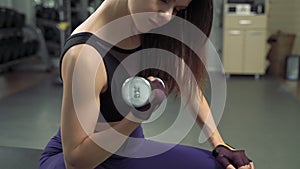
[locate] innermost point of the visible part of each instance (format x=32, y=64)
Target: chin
x=144, y=29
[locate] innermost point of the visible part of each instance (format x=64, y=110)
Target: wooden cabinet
x=254, y=52
x=233, y=51
x=244, y=44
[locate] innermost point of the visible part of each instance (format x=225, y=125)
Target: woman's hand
x=250, y=166
x=231, y=158
x=157, y=96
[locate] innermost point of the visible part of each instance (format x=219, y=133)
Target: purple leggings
x=178, y=157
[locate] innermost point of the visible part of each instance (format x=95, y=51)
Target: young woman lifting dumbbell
x=74, y=146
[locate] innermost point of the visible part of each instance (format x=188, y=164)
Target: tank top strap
x=84, y=38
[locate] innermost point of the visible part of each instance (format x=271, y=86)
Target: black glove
x=157, y=96
x=226, y=156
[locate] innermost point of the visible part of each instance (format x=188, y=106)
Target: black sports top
x=112, y=57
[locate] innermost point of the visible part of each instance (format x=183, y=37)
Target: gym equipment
x=10, y=39
x=47, y=13
x=28, y=48
x=7, y=51
x=20, y=20
x=34, y=47
x=225, y=156
x=10, y=18
x=14, y=47
x=18, y=40
x=2, y=17
x=22, y=50
x=136, y=91
x=1, y=52
x=51, y=34
x=143, y=94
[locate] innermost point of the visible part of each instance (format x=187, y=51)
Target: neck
x=109, y=13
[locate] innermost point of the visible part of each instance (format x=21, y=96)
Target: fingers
x=244, y=167
x=151, y=78
x=230, y=167
x=157, y=96
x=250, y=166
x=238, y=159
x=245, y=159
x=158, y=93
x=224, y=162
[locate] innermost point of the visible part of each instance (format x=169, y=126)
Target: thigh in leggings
x=178, y=157
x=52, y=156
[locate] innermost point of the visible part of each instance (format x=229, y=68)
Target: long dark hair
x=199, y=13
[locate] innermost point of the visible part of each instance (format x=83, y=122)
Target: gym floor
x=261, y=116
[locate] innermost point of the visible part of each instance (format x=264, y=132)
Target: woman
x=74, y=147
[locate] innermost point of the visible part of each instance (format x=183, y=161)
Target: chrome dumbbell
x=142, y=93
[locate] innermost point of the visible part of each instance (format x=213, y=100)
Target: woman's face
x=161, y=12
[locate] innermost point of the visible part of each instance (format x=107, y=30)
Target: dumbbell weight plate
x=35, y=46
x=7, y=52
x=27, y=48
x=1, y=53
x=2, y=17
x=136, y=91
x=22, y=50
x=20, y=20
x=30, y=48
x=10, y=17
x=16, y=50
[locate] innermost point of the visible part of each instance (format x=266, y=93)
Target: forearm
x=210, y=130
x=206, y=121
x=89, y=155
x=215, y=139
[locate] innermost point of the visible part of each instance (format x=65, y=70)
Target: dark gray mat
x=19, y=158
x=30, y=117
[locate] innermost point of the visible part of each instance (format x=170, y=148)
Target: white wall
x=285, y=16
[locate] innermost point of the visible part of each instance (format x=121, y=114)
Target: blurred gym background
x=258, y=43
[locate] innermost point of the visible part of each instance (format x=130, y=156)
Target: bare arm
x=206, y=122
x=204, y=116
x=79, y=149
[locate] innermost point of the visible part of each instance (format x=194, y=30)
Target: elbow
x=70, y=163
x=75, y=165
x=73, y=162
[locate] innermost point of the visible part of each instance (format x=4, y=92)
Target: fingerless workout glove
x=226, y=156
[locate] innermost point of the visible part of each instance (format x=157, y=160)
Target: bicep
x=83, y=79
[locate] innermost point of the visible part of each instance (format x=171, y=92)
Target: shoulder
x=85, y=63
